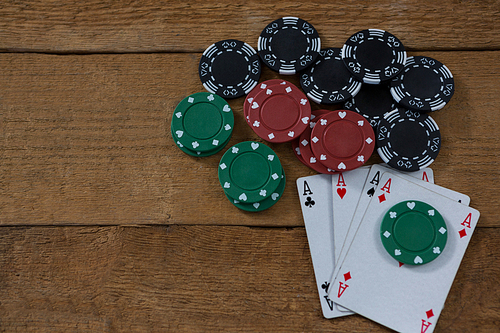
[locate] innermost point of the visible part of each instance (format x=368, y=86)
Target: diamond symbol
x=271, y=136
x=369, y=140
x=190, y=99
x=462, y=233
x=304, y=142
x=223, y=166
x=288, y=89
x=315, y=139
x=387, y=234
x=442, y=230
x=215, y=142
x=275, y=176
x=381, y=198
x=429, y=314
x=347, y=276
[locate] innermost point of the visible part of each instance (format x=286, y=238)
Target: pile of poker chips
x=252, y=176
x=371, y=74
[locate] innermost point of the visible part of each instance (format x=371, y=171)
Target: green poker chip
x=200, y=153
x=202, y=122
x=264, y=204
x=413, y=232
x=249, y=172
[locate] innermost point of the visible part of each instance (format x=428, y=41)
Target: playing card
x=315, y=193
x=346, y=189
x=409, y=297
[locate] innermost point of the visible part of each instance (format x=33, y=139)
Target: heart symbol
x=312, y=160
x=243, y=197
x=410, y=205
x=256, y=205
x=226, y=108
x=418, y=260
x=255, y=105
x=227, y=185
x=342, y=114
x=431, y=212
x=179, y=133
x=322, y=157
x=305, y=120
x=341, y=192
x=254, y=145
x=274, y=196
x=397, y=252
x=341, y=166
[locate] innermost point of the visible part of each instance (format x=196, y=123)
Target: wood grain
x=106, y=26
x=199, y=278
x=85, y=139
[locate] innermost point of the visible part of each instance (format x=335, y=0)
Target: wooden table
x=107, y=226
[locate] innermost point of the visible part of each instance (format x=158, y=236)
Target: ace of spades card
x=405, y=298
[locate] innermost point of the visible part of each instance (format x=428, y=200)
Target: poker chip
x=229, y=68
x=342, y=140
x=304, y=142
x=288, y=45
x=328, y=81
x=408, y=140
x=202, y=123
x=372, y=102
x=264, y=204
x=413, y=232
x=251, y=95
x=199, y=153
x=424, y=85
x=249, y=172
x=279, y=113
x=374, y=55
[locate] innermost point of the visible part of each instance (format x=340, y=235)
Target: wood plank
x=190, y=26
x=199, y=278
x=85, y=139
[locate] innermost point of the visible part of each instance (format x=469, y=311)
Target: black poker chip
x=229, y=68
x=424, y=85
x=288, y=45
x=372, y=102
x=374, y=55
x=328, y=81
x=408, y=140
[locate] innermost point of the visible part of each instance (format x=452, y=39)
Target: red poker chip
x=304, y=140
x=258, y=88
x=279, y=113
x=342, y=140
x=296, y=150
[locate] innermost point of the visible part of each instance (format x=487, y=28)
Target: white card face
x=315, y=193
x=346, y=189
x=425, y=175
x=405, y=298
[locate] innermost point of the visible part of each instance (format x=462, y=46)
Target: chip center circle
x=374, y=55
x=289, y=44
x=414, y=231
x=343, y=139
x=405, y=132
x=250, y=171
x=280, y=112
x=202, y=121
x=422, y=82
x=229, y=68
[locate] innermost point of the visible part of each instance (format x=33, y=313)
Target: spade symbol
x=325, y=286
x=371, y=192
x=309, y=202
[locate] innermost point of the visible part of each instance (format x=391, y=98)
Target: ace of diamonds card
x=403, y=297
